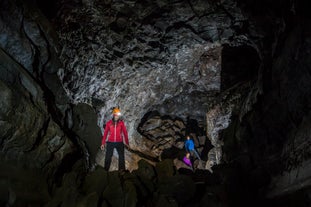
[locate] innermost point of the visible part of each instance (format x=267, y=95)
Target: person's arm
x=105, y=134
x=126, y=140
x=186, y=145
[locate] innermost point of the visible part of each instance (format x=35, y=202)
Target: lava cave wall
x=37, y=119
x=272, y=141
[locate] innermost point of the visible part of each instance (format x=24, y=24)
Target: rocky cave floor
x=150, y=185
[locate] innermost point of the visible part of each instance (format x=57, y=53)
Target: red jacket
x=115, y=130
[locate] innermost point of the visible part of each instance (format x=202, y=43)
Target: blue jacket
x=189, y=145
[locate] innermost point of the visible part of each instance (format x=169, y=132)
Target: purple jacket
x=187, y=161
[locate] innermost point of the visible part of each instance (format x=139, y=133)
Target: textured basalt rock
x=32, y=143
x=149, y=56
x=28, y=132
x=84, y=125
x=35, y=136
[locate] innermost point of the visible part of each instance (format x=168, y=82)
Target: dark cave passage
x=239, y=64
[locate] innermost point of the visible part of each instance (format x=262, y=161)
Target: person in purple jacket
x=187, y=160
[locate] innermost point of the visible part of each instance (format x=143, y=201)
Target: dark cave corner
x=238, y=65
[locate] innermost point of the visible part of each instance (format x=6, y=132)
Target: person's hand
x=127, y=146
x=102, y=147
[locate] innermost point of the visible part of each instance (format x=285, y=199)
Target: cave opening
x=238, y=65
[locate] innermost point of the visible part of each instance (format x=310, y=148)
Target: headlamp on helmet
x=116, y=112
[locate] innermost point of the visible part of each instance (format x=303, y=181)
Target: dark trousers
x=194, y=151
x=120, y=149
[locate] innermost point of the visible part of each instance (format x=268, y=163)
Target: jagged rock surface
x=149, y=56
x=35, y=136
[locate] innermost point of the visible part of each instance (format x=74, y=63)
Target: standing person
x=189, y=145
x=117, y=134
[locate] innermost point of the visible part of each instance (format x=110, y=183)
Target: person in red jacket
x=117, y=134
